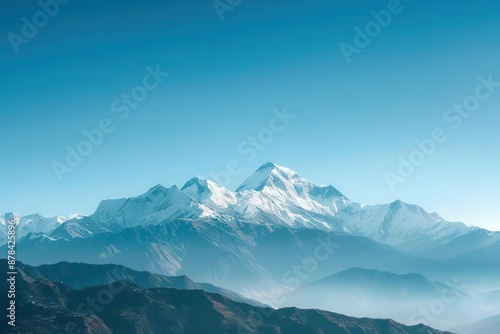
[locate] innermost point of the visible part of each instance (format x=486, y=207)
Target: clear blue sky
x=353, y=120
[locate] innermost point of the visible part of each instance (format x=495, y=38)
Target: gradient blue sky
x=353, y=120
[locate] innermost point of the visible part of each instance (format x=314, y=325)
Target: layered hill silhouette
x=49, y=307
x=277, y=234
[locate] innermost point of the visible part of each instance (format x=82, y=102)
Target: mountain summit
x=271, y=175
x=272, y=195
x=253, y=239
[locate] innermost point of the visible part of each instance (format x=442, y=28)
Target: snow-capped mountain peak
x=75, y=216
x=209, y=193
x=279, y=192
x=271, y=195
x=269, y=174
x=34, y=224
x=286, y=185
x=8, y=216
x=157, y=201
x=274, y=178
x=156, y=190
x=415, y=210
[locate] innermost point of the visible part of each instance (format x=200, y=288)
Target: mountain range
x=272, y=195
x=49, y=307
x=276, y=233
x=373, y=293
x=80, y=275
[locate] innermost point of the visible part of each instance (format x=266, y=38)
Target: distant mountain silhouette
x=50, y=307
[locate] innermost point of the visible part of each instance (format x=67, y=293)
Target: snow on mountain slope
x=34, y=224
x=282, y=185
x=153, y=207
x=81, y=228
x=273, y=195
x=281, y=195
x=210, y=193
x=400, y=224
x=297, y=202
x=127, y=211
